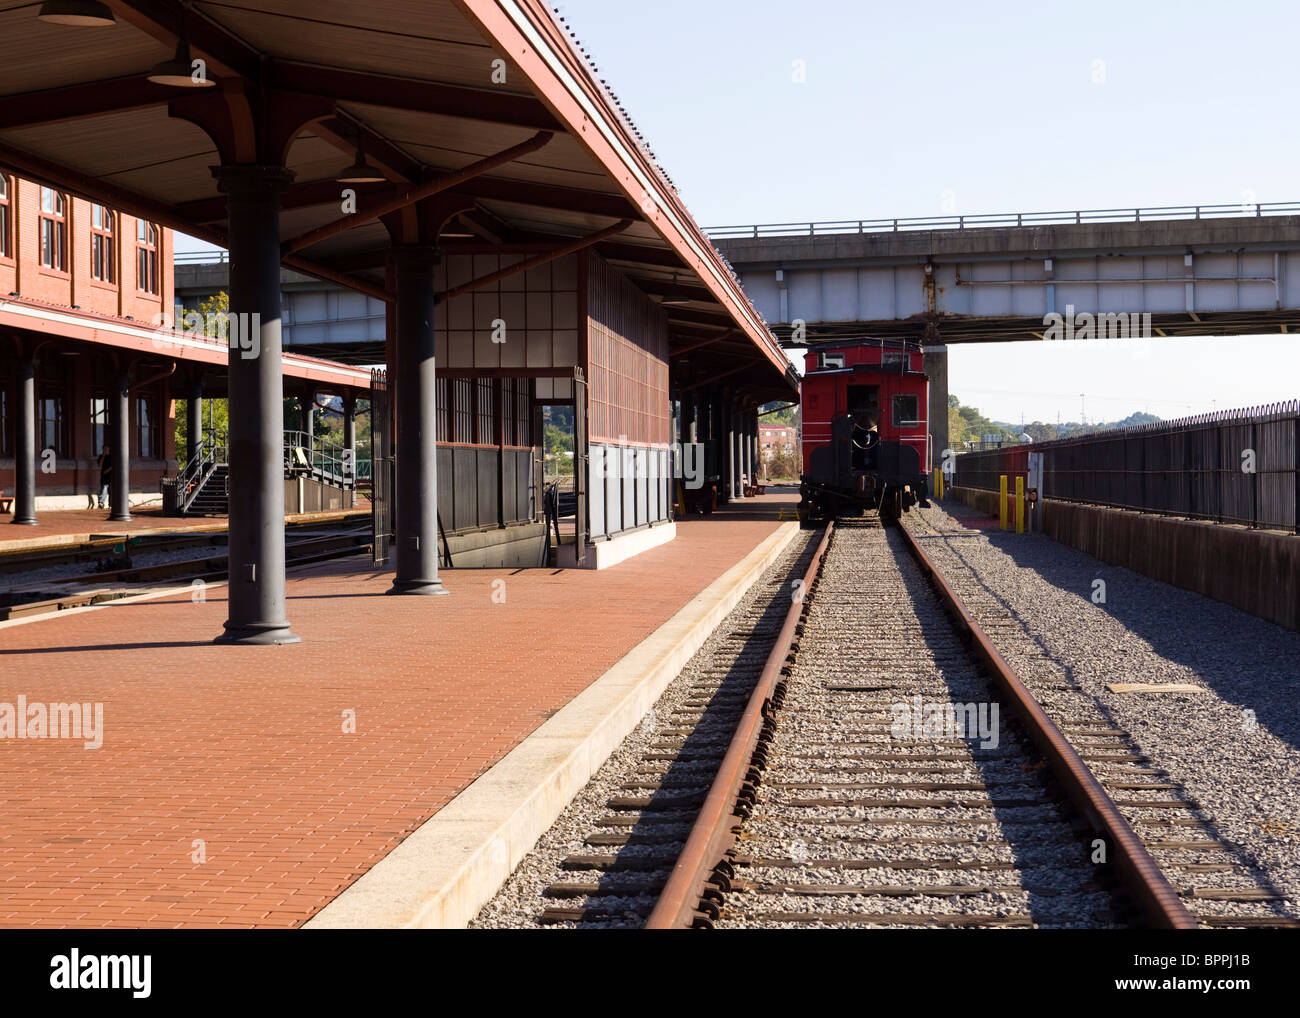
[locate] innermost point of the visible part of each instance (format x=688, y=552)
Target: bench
x=6, y=502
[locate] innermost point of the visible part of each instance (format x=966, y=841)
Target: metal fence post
x=1254, y=478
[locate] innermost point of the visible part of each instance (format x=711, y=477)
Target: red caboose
x=866, y=434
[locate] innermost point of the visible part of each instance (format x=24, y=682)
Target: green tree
x=216, y=412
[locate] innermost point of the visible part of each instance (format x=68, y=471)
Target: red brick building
x=83, y=289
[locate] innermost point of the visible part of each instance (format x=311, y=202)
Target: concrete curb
x=444, y=872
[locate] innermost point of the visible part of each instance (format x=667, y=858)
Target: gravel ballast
x=1229, y=752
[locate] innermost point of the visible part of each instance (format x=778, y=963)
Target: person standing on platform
x=105, y=476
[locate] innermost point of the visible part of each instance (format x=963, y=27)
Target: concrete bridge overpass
x=1195, y=270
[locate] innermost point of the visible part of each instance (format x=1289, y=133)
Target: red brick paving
x=243, y=749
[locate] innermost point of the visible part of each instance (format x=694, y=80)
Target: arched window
x=102, y=258
x=54, y=230
x=146, y=256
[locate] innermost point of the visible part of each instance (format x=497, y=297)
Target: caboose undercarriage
x=823, y=502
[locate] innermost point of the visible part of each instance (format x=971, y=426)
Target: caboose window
x=906, y=410
x=863, y=397
x=893, y=361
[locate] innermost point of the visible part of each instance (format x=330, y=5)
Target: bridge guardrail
x=1005, y=219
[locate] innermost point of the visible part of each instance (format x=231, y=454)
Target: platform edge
x=452, y=864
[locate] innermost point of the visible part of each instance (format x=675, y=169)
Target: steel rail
x=1151, y=891
x=712, y=833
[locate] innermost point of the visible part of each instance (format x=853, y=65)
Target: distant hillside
x=1041, y=432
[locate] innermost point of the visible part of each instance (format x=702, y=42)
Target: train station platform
x=63, y=527
x=238, y=786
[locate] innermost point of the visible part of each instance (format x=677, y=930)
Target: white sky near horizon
x=993, y=107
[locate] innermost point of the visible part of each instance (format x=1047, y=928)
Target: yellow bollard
x=1002, y=501
x=1020, y=504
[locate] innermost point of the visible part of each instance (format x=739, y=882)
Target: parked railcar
x=866, y=432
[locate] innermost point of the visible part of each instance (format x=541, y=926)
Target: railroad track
x=1173, y=826
x=632, y=841
x=843, y=803
x=305, y=544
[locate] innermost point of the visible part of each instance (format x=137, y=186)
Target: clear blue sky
x=988, y=107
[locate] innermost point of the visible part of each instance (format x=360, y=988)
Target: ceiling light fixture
x=361, y=172
x=675, y=296
x=179, y=70
x=82, y=13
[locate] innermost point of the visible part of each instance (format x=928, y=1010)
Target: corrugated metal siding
x=628, y=361
x=1194, y=467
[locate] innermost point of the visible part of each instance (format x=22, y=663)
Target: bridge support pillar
x=256, y=429
x=120, y=488
x=416, y=540
x=935, y=365
x=25, y=453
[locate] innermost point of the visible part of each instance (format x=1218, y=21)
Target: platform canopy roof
x=425, y=89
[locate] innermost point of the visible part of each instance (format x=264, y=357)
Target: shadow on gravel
x=1047, y=847
x=1246, y=660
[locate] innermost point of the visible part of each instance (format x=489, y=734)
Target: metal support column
x=416, y=544
x=194, y=423
x=25, y=453
x=350, y=440
x=120, y=490
x=256, y=399
x=733, y=449
x=751, y=429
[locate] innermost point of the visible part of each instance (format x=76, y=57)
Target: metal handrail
x=324, y=459
x=191, y=479
x=201, y=257
x=1005, y=219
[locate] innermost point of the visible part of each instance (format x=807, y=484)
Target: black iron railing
x=212, y=453
x=318, y=459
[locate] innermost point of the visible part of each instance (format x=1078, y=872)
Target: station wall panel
x=528, y=319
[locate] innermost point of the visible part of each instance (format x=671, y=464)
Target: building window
x=443, y=397
x=102, y=265
x=486, y=417
x=49, y=420
x=146, y=427
x=54, y=230
x=905, y=410
x=6, y=219
x=99, y=431
x=146, y=256
x=523, y=412
x=463, y=389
